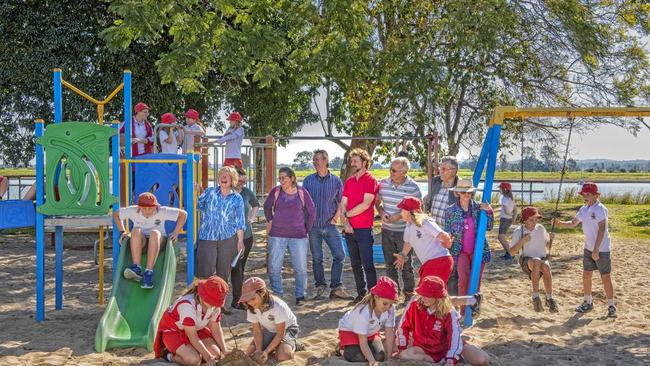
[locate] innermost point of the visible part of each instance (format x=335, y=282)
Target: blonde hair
x=418, y=217
x=369, y=300
x=234, y=176
x=442, y=306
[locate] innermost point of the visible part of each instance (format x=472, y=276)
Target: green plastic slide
x=132, y=314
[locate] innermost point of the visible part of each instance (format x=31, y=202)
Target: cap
x=250, y=287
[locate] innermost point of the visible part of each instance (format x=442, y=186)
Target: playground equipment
x=488, y=156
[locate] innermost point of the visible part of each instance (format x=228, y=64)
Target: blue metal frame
x=480, y=164
x=40, y=228
x=115, y=167
x=189, y=206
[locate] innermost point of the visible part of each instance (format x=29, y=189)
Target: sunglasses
x=396, y=171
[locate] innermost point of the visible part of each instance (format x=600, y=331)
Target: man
x=326, y=190
x=441, y=197
x=391, y=192
x=358, y=210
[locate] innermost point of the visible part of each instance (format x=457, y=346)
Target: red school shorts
x=175, y=339
x=441, y=267
x=348, y=338
x=233, y=162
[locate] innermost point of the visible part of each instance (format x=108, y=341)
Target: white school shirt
x=507, y=207
x=190, y=132
x=362, y=320
x=536, y=246
x=190, y=313
x=166, y=148
x=141, y=133
x=278, y=313
x=156, y=221
x=423, y=240
x=233, y=138
x=590, y=216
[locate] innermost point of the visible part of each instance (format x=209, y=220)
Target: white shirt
x=279, y=313
x=156, y=221
x=233, y=139
x=590, y=216
x=507, y=207
x=188, y=308
x=423, y=240
x=190, y=132
x=140, y=133
x=536, y=246
x=362, y=320
x=166, y=148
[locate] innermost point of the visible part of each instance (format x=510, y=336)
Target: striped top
x=392, y=195
x=326, y=193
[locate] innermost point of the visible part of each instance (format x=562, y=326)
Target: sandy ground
x=508, y=328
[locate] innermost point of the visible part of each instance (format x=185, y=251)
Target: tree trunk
x=368, y=145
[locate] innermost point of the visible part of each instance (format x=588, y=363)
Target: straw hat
x=464, y=185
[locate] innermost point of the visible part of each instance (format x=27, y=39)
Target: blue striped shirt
x=221, y=217
x=326, y=193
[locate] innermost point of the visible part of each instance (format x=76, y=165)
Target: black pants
x=360, y=249
x=354, y=354
x=392, y=242
x=237, y=273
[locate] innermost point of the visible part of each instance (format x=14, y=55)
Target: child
x=4, y=186
x=192, y=128
x=233, y=138
x=508, y=213
x=169, y=137
x=534, y=240
x=190, y=329
x=275, y=327
x=359, y=337
x=595, y=227
x=148, y=232
x=430, y=330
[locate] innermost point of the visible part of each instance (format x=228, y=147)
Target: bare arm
x=363, y=206
x=198, y=344
x=600, y=235
x=277, y=340
x=217, y=334
x=365, y=348
x=566, y=224
x=182, y=217
x=390, y=342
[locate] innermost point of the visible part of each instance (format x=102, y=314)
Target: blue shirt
x=326, y=193
x=221, y=217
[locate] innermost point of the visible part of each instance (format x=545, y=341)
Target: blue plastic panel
x=377, y=251
x=16, y=213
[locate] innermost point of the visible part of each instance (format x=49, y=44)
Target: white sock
x=610, y=302
x=549, y=296
x=588, y=299
x=535, y=295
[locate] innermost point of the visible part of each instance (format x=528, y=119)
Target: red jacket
x=148, y=147
x=438, y=337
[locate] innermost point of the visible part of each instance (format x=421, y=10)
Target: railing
x=18, y=188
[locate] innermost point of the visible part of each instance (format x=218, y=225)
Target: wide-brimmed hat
x=410, y=203
x=213, y=291
x=234, y=116
x=464, y=185
x=147, y=199
x=589, y=187
x=140, y=107
x=529, y=212
x=505, y=186
x=432, y=287
x=385, y=288
x=168, y=118
x=192, y=113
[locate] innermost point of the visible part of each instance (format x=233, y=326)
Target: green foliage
x=640, y=218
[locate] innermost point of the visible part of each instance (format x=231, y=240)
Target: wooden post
x=269, y=162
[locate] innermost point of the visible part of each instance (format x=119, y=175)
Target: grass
x=628, y=198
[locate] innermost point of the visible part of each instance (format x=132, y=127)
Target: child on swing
x=533, y=241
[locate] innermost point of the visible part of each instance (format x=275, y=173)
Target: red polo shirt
x=354, y=189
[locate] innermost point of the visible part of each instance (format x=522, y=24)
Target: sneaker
x=300, y=301
x=340, y=293
x=133, y=273
x=537, y=304
x=552, y=305
x=611, y=311
x=585, y=307
x=147, y=279
x=476, y=308
x=320, y=292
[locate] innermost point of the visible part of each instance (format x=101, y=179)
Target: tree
x=550, y=157
x=571, y=165
x=336, y=163
x=303, y=160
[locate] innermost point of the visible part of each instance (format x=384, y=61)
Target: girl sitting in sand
x=359, y=337
x=430, y=330
x=275, y=327
x=190, y=329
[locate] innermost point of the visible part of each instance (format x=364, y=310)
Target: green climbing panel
x=77, y=163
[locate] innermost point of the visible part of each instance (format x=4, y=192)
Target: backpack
x=301, y=194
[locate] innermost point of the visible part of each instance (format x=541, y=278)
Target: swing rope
x=562, y=173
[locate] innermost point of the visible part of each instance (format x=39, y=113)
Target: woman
x=251, y=206
x=221, y=231
x=290, y=214
x=461, y=221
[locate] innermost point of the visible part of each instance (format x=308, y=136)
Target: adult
x=169, y=137
x=141, y=131
x=290, y=214
x=233, y=138
x=251, y=206
x=391, y=192
x=326, y=190
x=461, y=222
x=221, y=231
x=358, y=213
x=441, y=197
x=192, y=129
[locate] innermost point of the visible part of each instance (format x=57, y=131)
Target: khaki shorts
x=603, y=264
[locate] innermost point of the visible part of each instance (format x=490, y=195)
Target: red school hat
x=140, y=107
x=432, y=287
x=505, y=186
x=234, y=116
x=168, y=118
x=192, y=113
x=213, y=291
x=147, y=199
x=589, y=187
x=410, y=203
x=528, y=212
x=385, y=288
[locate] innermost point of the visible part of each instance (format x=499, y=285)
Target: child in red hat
x=596, y=256
x=533, y=240
x=190, y=330
x=141, y=131
x=233, y=138
x=507, y=214
x=359, y=337
x=430, y=329
x=193, y=128
x=148, y=233
x=170, y=137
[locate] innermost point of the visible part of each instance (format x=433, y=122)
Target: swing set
x=488, y=159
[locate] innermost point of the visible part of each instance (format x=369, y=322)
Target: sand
x=508, y=328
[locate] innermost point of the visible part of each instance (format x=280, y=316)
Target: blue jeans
x=360, y=249
x=298, y=253
x=333, y=239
